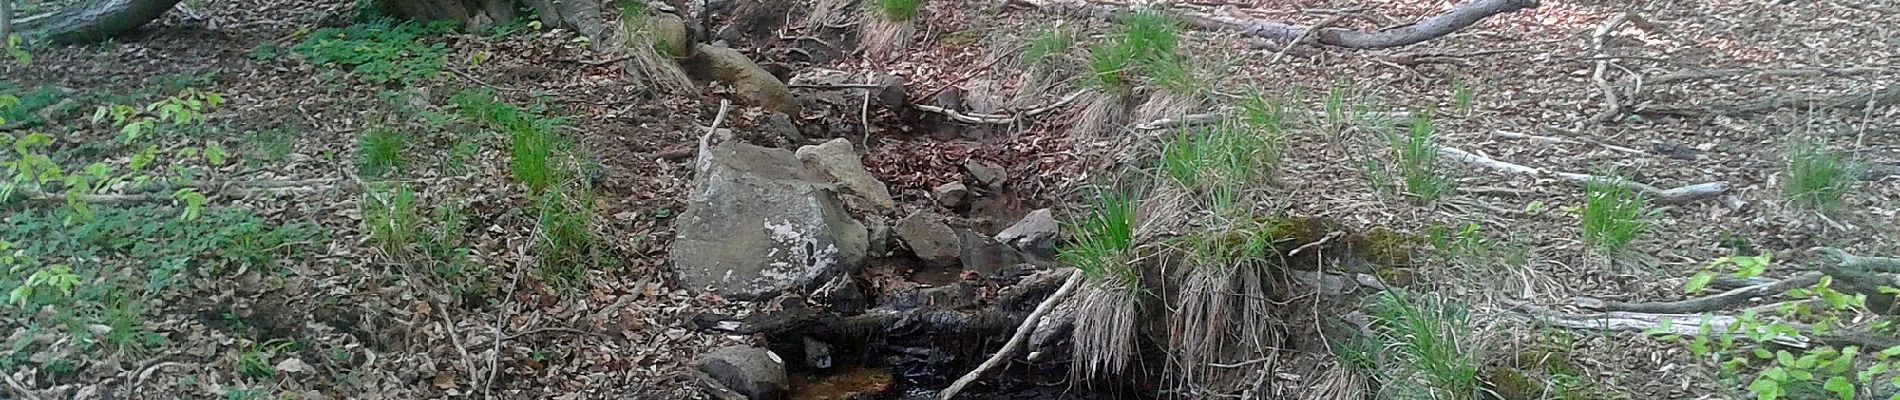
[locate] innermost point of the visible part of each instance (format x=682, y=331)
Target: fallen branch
x=1458, y=17
x=1553, y=139
x=1598, y=42
x=1692, y=75
x=1865, y=263
x=958, y=116
x=1705, y=304
x=1878, y=172
x=1022, y=333
x=1692, y=325
x=705, y=140
x=1856, y=99
x=1665, y=196
x=19, y=388
x=1401, y=118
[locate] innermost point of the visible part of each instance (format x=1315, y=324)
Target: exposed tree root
x=93, y=21
x=1667, y=196
x=1459, y=17
x=1865, y=263
x=1022, y=334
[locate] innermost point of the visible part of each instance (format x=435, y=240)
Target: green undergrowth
x=1818, y=176
x=1104, y=239
x=1613, y=216
x=1140, y=44
x=897, y=10
x=380, y=51
x=1431, y=351
x=559, y=184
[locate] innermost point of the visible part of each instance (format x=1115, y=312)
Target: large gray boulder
x=838, y=161
x=1034, y=234
x=930, y=239
x=750, y=83
x=757, y=223
x=755, y=373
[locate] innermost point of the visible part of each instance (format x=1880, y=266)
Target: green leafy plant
x=56, y=276
x=186, y=108
x=1462, y=96
x=568, y=245
x=1749, y=350
x=1614, y=215
x=1818, y=177
x=1145, y=39
x=380, y=51
x=1416, y=154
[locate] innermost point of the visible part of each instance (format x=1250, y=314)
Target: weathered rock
x=880, y=236
x=985, y=173
x=782, y=124
x=890, y=91
x=750, y=82
x=836, y=160
x=755, y=373
x=757, y=223
x=669, y=35
x=817, y=353
x=1034, y=234
x=952, y=195
x=987, y=256
x=929, y=238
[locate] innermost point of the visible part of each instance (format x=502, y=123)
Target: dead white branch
x=1022, y=334
x=1554, y=139
x=1864, y=263
x=1665, y=196
x=1705, y=304
x=1675, y=324
x=1598, y=44
x=1001, y=119
x=1692, y=75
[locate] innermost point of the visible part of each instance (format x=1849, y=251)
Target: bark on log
x=93, y=21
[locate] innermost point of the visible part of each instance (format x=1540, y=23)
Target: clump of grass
x=1432, y=354
x=1146, y=40
x=1223, y=312
x=1418, y=161
x=1101, y=248
x=379, y=153
x=1818, y=177
x=529, y=151
x=898, y=10
x=567, y=246
x=391, y=215
x=1613, y=214
x=1462, y=96
x=1047, y=48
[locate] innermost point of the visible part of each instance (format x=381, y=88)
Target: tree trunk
x=94, y=21
x=6, y=24
x=470, y=14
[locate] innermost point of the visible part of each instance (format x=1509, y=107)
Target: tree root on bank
x=1666, y=196
x=1016, y=340
x=1460, y=16
x=1001, y=119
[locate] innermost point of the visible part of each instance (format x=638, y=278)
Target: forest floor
x=271, y=276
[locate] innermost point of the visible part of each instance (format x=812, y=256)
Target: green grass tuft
x=567, y=247
x=1145, y=41
x=1047, y=47
x=1432, y=354
x=898, y=10
x=1613, y=215
x=1418, y=161
x=379, y=153
x=1818, y=176
x=391, y=215
x=1102, y=240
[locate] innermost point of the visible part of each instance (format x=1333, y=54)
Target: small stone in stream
x=929, y=238
x=817, y=354
x=755, y=373
x=953, y=195
x=890, y=91
x=1034, y=234
x=985, y=173
x=837, y=160
x=987, y=256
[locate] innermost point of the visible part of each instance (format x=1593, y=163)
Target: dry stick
x=1611, y=107
x=1460, y=16
x=1669, y=196
x=1705, y=304
x=1553, y=139
x=1691, y=75
x=996, y=118
x=1016, y=340
x=15, y=384
x=705, y=140
x=1401, y=118
x=1865, y=263
x=1329, y=21
x=1676, y=324
x=521, y=263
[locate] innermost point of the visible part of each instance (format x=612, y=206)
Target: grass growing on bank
x=1432, y=353
x=898, y=10
x=1818, y=176
x=1102, y=248
x=1614, y=216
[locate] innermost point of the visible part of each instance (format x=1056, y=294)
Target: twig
x=20, y=388
x=1611, y=107
x=830, y=86
x=1016, y=340
x=522, y=262
x=1705, y=304
x=996, y=118
x=470, y=78
x=1553, y=139
x=1666, y=196
x=1685, y=76
x=1323, y=24
x=1866, y=263
x=705, y=140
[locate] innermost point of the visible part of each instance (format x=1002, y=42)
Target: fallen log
x=1884, y=97
x=93, y=21
x=1458, y=17
x=1720, y=301
x=1681, y=194
x=1691, y=325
